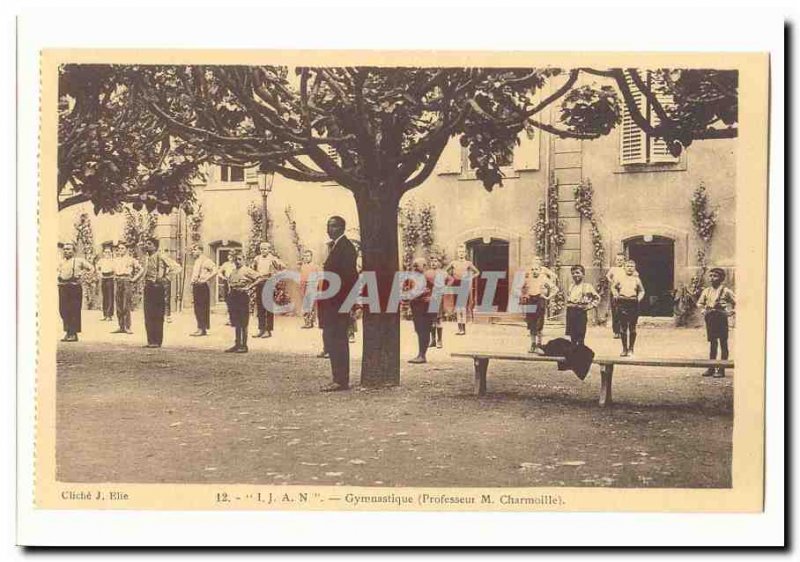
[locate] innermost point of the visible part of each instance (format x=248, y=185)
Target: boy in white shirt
x=716, y=303
x=105, y=267
x=628, y=292
x=266, y=264
x=581, y=298
x=536, y=291
x=614, y=273
x=203, y=270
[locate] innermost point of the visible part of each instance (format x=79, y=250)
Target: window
x=231, y=173
x=636, y=146
x=522, y=157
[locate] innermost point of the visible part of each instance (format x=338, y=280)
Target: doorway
x=491, y=256
x=655, y=262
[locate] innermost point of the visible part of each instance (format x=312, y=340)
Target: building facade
x=642, y=206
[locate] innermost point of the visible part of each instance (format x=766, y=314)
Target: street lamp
x=265, y=180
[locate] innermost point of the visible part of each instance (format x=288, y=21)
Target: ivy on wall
x=196, y=225
x=84, y=240
x=549, y=229
x=418, y=233
x=584, y=204
x=138, y=227
x=296, y=242
x=549, y=239
x=704, y=221
x=256, y=236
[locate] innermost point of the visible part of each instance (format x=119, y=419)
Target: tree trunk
x=377, y=215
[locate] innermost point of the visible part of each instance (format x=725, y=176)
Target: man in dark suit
x=341, y=261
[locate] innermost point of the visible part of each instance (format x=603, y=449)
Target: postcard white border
x=743, y=31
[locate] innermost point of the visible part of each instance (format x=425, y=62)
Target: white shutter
x=251, y=175
x=450, y=161
x=658, y=148
x=526, y=154
x=633, y=140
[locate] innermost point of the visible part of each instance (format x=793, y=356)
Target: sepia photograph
x=405, y=281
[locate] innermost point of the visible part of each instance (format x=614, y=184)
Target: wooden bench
x=481, y=362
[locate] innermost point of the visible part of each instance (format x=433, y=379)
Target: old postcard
x=401, y=281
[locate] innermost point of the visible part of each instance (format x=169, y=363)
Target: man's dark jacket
x=341, y=261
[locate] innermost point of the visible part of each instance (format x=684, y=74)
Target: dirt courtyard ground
x=190, y=413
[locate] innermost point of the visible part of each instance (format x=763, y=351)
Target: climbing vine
x=255, y=238
x=584, y=204
x=426, y=227
x=549, y=238
x=418, y=232
x=196, y=224
x=138, y=227
x=298, y=245
x=84, y=239
x=540, y=231
x=704, y=221
x=549, y=229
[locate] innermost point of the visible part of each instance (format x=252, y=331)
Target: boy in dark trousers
x=716, y=303
x=628, y=292
x=436, y=328
x=581, y=297
x=241, y=280
x=536, y=291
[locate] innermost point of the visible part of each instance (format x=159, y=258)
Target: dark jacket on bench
x=578, y=358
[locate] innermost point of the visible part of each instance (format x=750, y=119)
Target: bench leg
x=606, y=375
x=481, y=366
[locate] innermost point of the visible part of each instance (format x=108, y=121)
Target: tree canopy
x=363, y=126
x=112, y=149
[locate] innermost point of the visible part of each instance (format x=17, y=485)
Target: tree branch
x=563, y=133
x=651, y=99
x=73, y=200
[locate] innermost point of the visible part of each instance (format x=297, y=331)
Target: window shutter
x=633, y=141
x=526, y=154
x=658, y=148
x=450, y=160
x=251, y=175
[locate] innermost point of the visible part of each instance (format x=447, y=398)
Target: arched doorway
x=655, y=262
x=220, y=253
x=491, y=255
